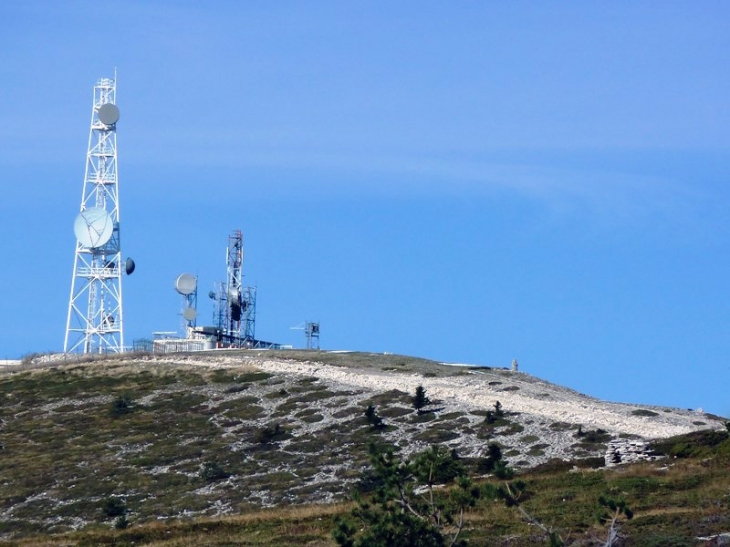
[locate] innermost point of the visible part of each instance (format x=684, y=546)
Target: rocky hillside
x=225, y=432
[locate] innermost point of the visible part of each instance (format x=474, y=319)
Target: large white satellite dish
x=186, y=284
x=93, y=227
x=108, y=114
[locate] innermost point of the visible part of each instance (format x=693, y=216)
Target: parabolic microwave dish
x=108, y=114
x=186, y=284
x=190, y=314
x=93, y=227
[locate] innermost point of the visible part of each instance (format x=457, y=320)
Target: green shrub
x=373, y=419
x=494, y=456
x=120, y=406
x=503, y=471
x=438, y=465
x=113, y=507
x=270, y=434
x=644, y=412
x=594, y=436
x=211, y=471
x=695, y=444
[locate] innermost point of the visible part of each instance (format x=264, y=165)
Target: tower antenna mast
x=234, y=279
x=95, y=319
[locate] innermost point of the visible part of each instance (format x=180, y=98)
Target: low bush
x=120, y=406
x=113, y=507
x=270, y=434
x=373, y=419
x=644, y=412
x=595, y=436
x=211, y=471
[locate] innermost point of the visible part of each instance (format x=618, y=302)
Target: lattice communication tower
x=234, y=278
x=95, y=321
x=311, y=333
x=234, y=311
x=249, y=315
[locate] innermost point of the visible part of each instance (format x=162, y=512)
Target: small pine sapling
x=493, y=415
x=498, y=412
x=611, y=510
x=493, y=463
x=373, y=419
x=503, y=471
x=420, y=400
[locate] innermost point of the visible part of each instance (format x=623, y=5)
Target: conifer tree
x=406, y=509
x=420, y=400
x=372, y=417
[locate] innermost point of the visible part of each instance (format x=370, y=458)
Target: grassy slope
x=671, y=507
x=65, y=453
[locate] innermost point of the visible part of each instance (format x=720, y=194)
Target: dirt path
x=516, y=391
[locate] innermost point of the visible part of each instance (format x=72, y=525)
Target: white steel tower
x=95, y=319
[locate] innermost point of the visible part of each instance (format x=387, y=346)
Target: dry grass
x=64, y=453
x=565, y=501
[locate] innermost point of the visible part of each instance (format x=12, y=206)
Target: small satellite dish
x=93, y=227
x=211, y=295
x=129, y=266
x=108, y=114
x=190, y=314
x=186, y=284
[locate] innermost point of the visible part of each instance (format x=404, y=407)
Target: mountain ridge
x=212, y=434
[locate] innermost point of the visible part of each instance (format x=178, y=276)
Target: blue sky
x=470, y=182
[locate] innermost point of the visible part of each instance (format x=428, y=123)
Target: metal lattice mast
x=311, y=332
x=234, y=276
x=219, y=306
x=249, y=314
x=95, y=318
